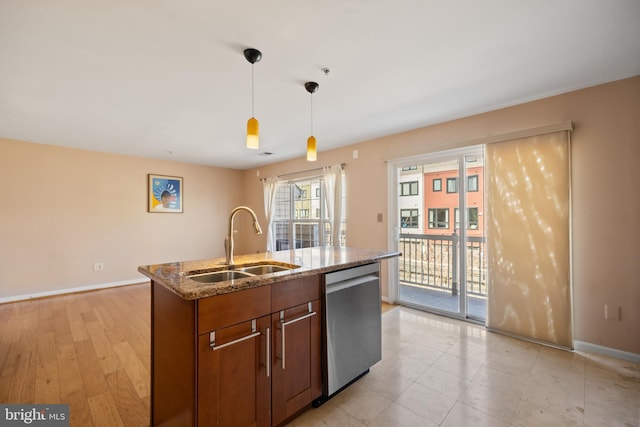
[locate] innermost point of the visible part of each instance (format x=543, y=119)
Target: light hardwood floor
x=90, y=350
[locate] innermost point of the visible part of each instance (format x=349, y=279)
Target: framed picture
x=165, y=194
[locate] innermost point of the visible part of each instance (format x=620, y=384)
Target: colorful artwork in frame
x=165, y=193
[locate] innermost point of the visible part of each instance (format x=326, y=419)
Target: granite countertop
x=311, y=261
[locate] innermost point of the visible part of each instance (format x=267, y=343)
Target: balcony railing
x=432, y=261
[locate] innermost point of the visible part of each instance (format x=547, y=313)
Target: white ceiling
x=167, y=78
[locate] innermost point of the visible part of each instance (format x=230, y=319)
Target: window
x=300, y=220
x=409, y=188
x=409, y=218
x=452, y=185
x=409, y=168
x=472, y=218
x=439, y=218
x=472, y=183
x=437, y=184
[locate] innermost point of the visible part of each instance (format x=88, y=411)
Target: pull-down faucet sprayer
x=228, y=242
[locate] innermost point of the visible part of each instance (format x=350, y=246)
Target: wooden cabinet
x=234, y=388
x=234, y=384
x=246, y=358
x=296, y=321
x=173, y=355
x=297, y=376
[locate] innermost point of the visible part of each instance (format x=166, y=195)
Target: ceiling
x=167, y=79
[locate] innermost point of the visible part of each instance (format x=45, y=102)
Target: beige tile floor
x=437, y=371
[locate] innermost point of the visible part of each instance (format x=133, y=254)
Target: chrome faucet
x=228, y=242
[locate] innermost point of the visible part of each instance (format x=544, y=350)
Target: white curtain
x=333, y=192
x=270, y=188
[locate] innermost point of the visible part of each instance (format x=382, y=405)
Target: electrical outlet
x=98, y=266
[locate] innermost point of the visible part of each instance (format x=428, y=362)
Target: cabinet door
x=297, y=376
x=234, y=384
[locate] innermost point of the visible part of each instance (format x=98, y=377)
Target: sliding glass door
x=440, y=233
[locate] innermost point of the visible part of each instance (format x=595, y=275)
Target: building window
x=439, y=218
x=409, y=218
x=437, y=184
x=300, y=218
x=472, y=183
x=452, y=185
x=472, y=217
x=409, y=168
x=409, y=188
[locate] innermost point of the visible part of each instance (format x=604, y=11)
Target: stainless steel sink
x=218, y=276
x=239, y=271
x=264, y=269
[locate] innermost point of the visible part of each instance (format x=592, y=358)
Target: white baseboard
x=72, y=290
x=606, y=351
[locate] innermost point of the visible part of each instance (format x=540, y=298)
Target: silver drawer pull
x=283, y=324
x=212, y=338
x=268, y=349
x=298, y=319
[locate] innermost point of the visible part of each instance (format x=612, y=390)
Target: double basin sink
x=241, y=271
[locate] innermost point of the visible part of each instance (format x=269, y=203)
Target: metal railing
x=301, y=233
x=432, y=261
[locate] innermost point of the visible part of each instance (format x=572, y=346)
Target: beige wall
x=66, y=209
x=606, y=154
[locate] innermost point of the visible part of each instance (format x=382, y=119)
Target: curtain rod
x=342, y=165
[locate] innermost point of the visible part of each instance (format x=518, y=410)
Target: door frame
x=393, y=231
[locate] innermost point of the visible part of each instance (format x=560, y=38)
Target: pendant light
x=253, y=56
x=312, y=153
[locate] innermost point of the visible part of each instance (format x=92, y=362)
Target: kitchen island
x=245, y=351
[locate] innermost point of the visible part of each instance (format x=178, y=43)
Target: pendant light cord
x=311, y=96
x=252, y=93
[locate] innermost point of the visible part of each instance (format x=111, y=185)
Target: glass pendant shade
x=312, y=154
x=252, y=133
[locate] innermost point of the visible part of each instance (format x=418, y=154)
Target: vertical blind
x=528, y=238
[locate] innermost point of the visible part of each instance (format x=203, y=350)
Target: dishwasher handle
x=349, y=283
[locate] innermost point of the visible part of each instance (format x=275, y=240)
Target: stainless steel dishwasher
x=353, y=325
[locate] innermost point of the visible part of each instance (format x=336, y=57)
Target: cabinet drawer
x=294, y=292
x=228, y=309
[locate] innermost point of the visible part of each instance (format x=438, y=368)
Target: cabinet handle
x=212, y=338
x=283, y=324
x=268, y=348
